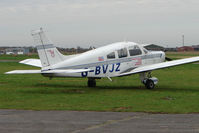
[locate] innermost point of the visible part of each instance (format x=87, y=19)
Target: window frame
x=121, y=55
x=135, y=47
x=109, y=54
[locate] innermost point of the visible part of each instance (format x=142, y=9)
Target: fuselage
x=110, y=60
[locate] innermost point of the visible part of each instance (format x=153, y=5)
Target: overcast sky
x=71, y=23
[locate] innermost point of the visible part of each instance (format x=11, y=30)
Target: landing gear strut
x=91, y=82
x=148, y=80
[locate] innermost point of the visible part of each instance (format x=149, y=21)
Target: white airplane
x=114, y=60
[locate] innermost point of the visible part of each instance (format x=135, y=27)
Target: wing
x=47, y=72
x=32, y=62
x=24, y=72
x=160, y=66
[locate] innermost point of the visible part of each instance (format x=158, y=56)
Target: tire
x=91, y=83
x=149, y=84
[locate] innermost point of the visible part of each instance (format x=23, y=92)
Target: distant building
x=17, y=51
x=2, y=52
x=171, y=49
x=185, y=48
x=154, y=47
x=196, y=47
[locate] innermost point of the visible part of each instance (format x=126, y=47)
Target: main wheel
x=149, y=84
x=91, y=83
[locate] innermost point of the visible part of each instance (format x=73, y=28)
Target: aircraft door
x=136, y=59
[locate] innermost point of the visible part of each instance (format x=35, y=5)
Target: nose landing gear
x=148, y=81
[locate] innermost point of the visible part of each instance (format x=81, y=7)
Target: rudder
x=48, y=53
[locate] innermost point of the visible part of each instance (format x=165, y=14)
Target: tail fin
x=48, y=54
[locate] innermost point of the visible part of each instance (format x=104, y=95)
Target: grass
x=17, y=57
x=177, y=92
x=180, y=55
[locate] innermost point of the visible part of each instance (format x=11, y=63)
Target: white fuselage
x=109, y=61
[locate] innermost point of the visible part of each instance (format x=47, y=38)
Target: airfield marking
x=109, y=122
x=89, y=122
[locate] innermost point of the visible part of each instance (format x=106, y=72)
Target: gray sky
x=71, y=23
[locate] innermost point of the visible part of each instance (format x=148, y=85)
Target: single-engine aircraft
x=114, y=60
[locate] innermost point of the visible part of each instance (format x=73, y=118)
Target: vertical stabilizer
x=48, y=54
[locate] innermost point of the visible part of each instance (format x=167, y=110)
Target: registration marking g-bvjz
x=104, y=69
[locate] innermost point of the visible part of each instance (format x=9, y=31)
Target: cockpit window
x=111, y=55
x=135, y=51
x=122, y=53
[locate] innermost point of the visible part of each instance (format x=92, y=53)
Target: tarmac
x=22, y=121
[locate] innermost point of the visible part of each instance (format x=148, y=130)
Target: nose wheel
x=148, y=80
x=149, y=84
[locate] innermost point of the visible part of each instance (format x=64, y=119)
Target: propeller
x=168, y=59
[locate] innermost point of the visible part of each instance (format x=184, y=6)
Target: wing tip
x=10, y=72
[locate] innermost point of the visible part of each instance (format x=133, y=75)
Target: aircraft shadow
x=75, y=89
x=82, y=89
x=98, y=87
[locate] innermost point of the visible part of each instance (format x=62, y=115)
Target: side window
x=111, y=55
x=135, y=51
x=122, y=53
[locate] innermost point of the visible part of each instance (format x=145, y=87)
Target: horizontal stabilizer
x=47, y=72
x=31, y=62
x=161, y=65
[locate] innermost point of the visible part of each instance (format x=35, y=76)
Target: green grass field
x=177, y=91
x=18, y=57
